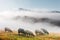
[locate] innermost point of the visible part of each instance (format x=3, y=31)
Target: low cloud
x=30, y=19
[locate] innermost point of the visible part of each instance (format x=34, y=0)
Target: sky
x=30, y=4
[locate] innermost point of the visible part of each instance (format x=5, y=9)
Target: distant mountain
x=38, y=20
x=22, y=9
x=26, y=18
x=55, y=11
x=17, y=17
x=55, y=22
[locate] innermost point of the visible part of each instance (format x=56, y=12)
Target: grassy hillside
x=14, y=36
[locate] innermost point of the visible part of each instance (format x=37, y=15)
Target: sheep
x=8, y=30
x=25, y=32
x=38, y=32
x=45, y=31
x=29, y=33
x=20, y=31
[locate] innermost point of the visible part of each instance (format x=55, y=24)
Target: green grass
x=9, y=36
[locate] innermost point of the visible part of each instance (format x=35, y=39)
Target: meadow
x=15, y=36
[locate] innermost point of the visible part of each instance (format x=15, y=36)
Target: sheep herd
x=23, y=32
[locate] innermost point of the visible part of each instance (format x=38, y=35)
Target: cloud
x=40, y=19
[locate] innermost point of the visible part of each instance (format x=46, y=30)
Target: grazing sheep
x=38, y=32
x=20, y=31
x=25, y=32
x=45, y=31
x=29, y=33
x=7, y=29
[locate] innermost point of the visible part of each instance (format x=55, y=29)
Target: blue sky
x=47, y=4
